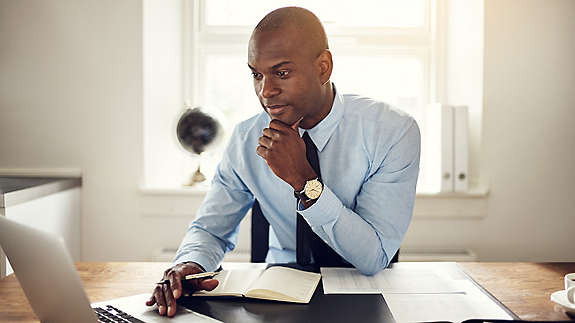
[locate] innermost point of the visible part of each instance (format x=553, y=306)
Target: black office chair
x=261, y=236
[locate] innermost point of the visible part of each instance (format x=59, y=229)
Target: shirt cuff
x=325, y=210
x=198, y=257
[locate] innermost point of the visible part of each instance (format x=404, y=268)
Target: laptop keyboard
x=110, y=314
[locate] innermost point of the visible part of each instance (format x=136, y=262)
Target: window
x=195, y=54
x=384, y=49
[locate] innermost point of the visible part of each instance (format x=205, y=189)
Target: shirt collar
x=322, y=131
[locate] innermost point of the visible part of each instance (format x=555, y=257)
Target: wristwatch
x=311, y=191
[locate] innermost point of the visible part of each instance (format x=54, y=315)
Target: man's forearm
x=201, y=248
x=350, y=234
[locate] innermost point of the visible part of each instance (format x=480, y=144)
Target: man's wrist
x=299, y=184
x=193, y=263
x=307, y=204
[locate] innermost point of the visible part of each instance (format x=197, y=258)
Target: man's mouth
x=276, y=108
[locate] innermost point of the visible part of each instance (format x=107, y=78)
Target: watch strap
x=301, y=195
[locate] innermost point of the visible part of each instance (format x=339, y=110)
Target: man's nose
x=268, y=88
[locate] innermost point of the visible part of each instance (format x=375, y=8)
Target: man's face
x=286, y=78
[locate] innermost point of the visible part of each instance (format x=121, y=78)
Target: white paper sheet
x=402, y=278
x=473, y=304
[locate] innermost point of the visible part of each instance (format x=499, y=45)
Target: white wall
x=71, y=97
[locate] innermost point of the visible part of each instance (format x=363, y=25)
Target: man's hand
x=165, y=295
x=284, y=151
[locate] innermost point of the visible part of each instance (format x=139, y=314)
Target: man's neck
x=328, y=97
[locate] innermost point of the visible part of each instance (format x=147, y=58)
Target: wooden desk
x=522, y=287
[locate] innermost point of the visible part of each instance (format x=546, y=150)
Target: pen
x=209, y=274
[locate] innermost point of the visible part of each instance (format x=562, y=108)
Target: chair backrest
x=261, y=236
x=395, y=258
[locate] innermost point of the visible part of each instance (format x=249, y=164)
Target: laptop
x=51, y=283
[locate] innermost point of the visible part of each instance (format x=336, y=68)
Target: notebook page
x=296, y=284
x=233, y=282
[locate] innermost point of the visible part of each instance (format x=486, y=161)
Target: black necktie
x=308, y=243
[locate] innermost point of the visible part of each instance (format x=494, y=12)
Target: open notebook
x=274, y=283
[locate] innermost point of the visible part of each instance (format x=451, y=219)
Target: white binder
x=461, y=149
x=440, y=145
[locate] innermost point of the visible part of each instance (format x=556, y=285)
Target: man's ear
x=325, y=66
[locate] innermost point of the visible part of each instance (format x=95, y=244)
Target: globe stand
x=197, y=177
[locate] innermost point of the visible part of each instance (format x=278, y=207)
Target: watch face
x=313, y=189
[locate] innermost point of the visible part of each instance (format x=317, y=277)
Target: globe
x=198, y=131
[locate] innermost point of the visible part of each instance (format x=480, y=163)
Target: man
x=351, y=163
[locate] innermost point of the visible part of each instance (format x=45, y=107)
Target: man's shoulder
x=375, y=113
x=379, y=126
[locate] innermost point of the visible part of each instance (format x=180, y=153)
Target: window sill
x=476, y=192
x=160, y=202
x=479, y=192
x=174, y=191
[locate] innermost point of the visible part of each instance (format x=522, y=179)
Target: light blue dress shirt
x=369, y=162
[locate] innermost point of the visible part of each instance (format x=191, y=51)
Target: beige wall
x=529, y=128
x=528, y=146
x=71, y=97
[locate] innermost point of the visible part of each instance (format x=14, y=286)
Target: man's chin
x=287, y=119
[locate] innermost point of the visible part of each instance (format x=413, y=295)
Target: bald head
x=291, y=66
x=295, y=19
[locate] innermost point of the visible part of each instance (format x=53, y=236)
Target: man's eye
x=256, y=75
x=282, y=74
